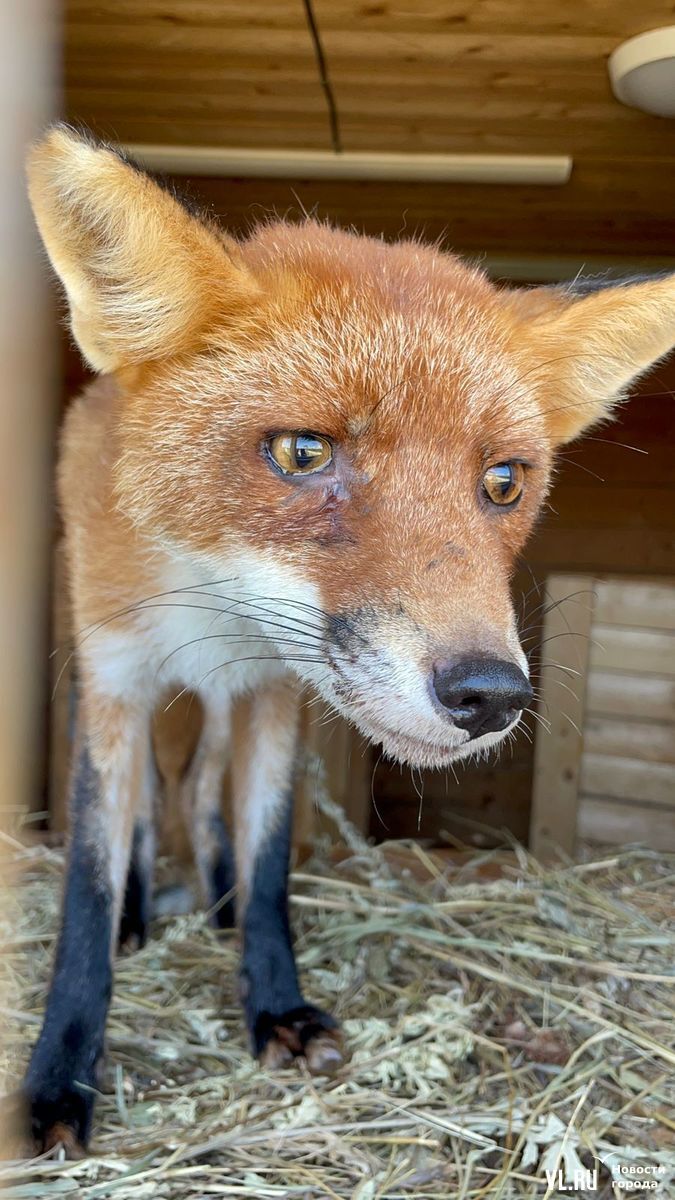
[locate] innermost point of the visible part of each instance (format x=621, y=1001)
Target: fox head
x=358, y=436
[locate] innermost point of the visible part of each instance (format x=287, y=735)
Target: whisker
x=372, y=792
x=237, y=639
x=248, y=658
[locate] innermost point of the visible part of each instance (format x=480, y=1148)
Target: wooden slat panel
x=176, y=14
x=400, y=108
x=637, y=739
x=618, y=694
x=487, y=76
x=425, y=17
x=641, y=650
x=557, y=755
x=642, y=604
x=605, y=821
x=624, y=504
x=496, y=17
x=573, y=220
x=628, y=779
x=584, y=549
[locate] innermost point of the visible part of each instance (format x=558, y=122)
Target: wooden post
x=558, y=748
x=28, y=50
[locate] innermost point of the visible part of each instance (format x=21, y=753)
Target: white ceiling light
x=642, y=72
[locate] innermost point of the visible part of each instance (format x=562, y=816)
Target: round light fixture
x=642, y=72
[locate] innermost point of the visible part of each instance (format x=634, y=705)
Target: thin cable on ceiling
x=333, y=117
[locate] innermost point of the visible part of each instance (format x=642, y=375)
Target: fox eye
x=299, y=453
x=503, y=483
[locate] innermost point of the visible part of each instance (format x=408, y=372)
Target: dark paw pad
x=305, y=1032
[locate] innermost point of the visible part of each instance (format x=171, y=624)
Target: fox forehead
x=396, y=353
x=357, y=328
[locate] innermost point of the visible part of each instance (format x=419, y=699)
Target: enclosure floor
x=502, y=1019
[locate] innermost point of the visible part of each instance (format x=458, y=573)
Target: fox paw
x=49, y=1113
x=45, y=1122
x=304, y=1032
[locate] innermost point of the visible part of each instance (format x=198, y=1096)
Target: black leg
x=138, y=891
x=221, y=870
x=61, y=1080
x=280, y=1022
x=109, y=790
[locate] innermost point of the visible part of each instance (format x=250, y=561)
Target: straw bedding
x=497, y=1028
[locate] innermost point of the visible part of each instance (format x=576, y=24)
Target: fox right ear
x=144, y=278
x=587, y=349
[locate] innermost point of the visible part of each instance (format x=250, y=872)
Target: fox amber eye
x=300, y=453
x=503, y=482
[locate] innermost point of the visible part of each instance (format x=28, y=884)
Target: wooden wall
x=627, y=779
x=607, y=772
x=449, y=76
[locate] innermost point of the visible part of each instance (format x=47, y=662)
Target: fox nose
x=482, y=695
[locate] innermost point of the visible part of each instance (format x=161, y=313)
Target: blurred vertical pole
x=29, y=68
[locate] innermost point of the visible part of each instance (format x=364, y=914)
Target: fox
x=309, y=459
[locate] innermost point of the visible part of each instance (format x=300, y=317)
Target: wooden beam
x=558, y=749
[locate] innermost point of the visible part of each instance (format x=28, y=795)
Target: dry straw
x=498, y=1028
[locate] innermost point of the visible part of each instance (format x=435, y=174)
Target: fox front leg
x=114, y=769
x=281, y=1024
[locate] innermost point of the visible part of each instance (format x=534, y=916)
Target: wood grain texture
x=606, y=208
x=559, y=744
x=492, y=76
x=652, y=602
x=637, y=737
x=619, y=694
x=645, y=651
x=609, y=821
x=628, y=779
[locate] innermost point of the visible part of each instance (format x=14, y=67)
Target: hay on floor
x=497, y=1028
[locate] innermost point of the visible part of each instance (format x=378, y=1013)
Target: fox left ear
x=588, y=349
x=145, y=279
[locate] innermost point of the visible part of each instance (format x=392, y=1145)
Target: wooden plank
x=638, y=604
x=265, y=14
x=225, y=97
x=619, y=694
x=485, y=77
x=557, y=756
x=609, y=821
x=637, y=738
x=495, y=17
x=647, y=507
x=396, y=16
x=641, y=650
x=628, y=779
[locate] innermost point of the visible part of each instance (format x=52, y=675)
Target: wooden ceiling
x=493, y=76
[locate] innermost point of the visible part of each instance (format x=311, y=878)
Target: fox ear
x=586, y=348
x=143, y=276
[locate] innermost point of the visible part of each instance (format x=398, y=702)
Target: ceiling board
x=439, y=76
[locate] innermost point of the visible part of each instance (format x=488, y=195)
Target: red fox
x=311, y=458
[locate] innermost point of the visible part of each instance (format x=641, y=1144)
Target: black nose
x=482, y=695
